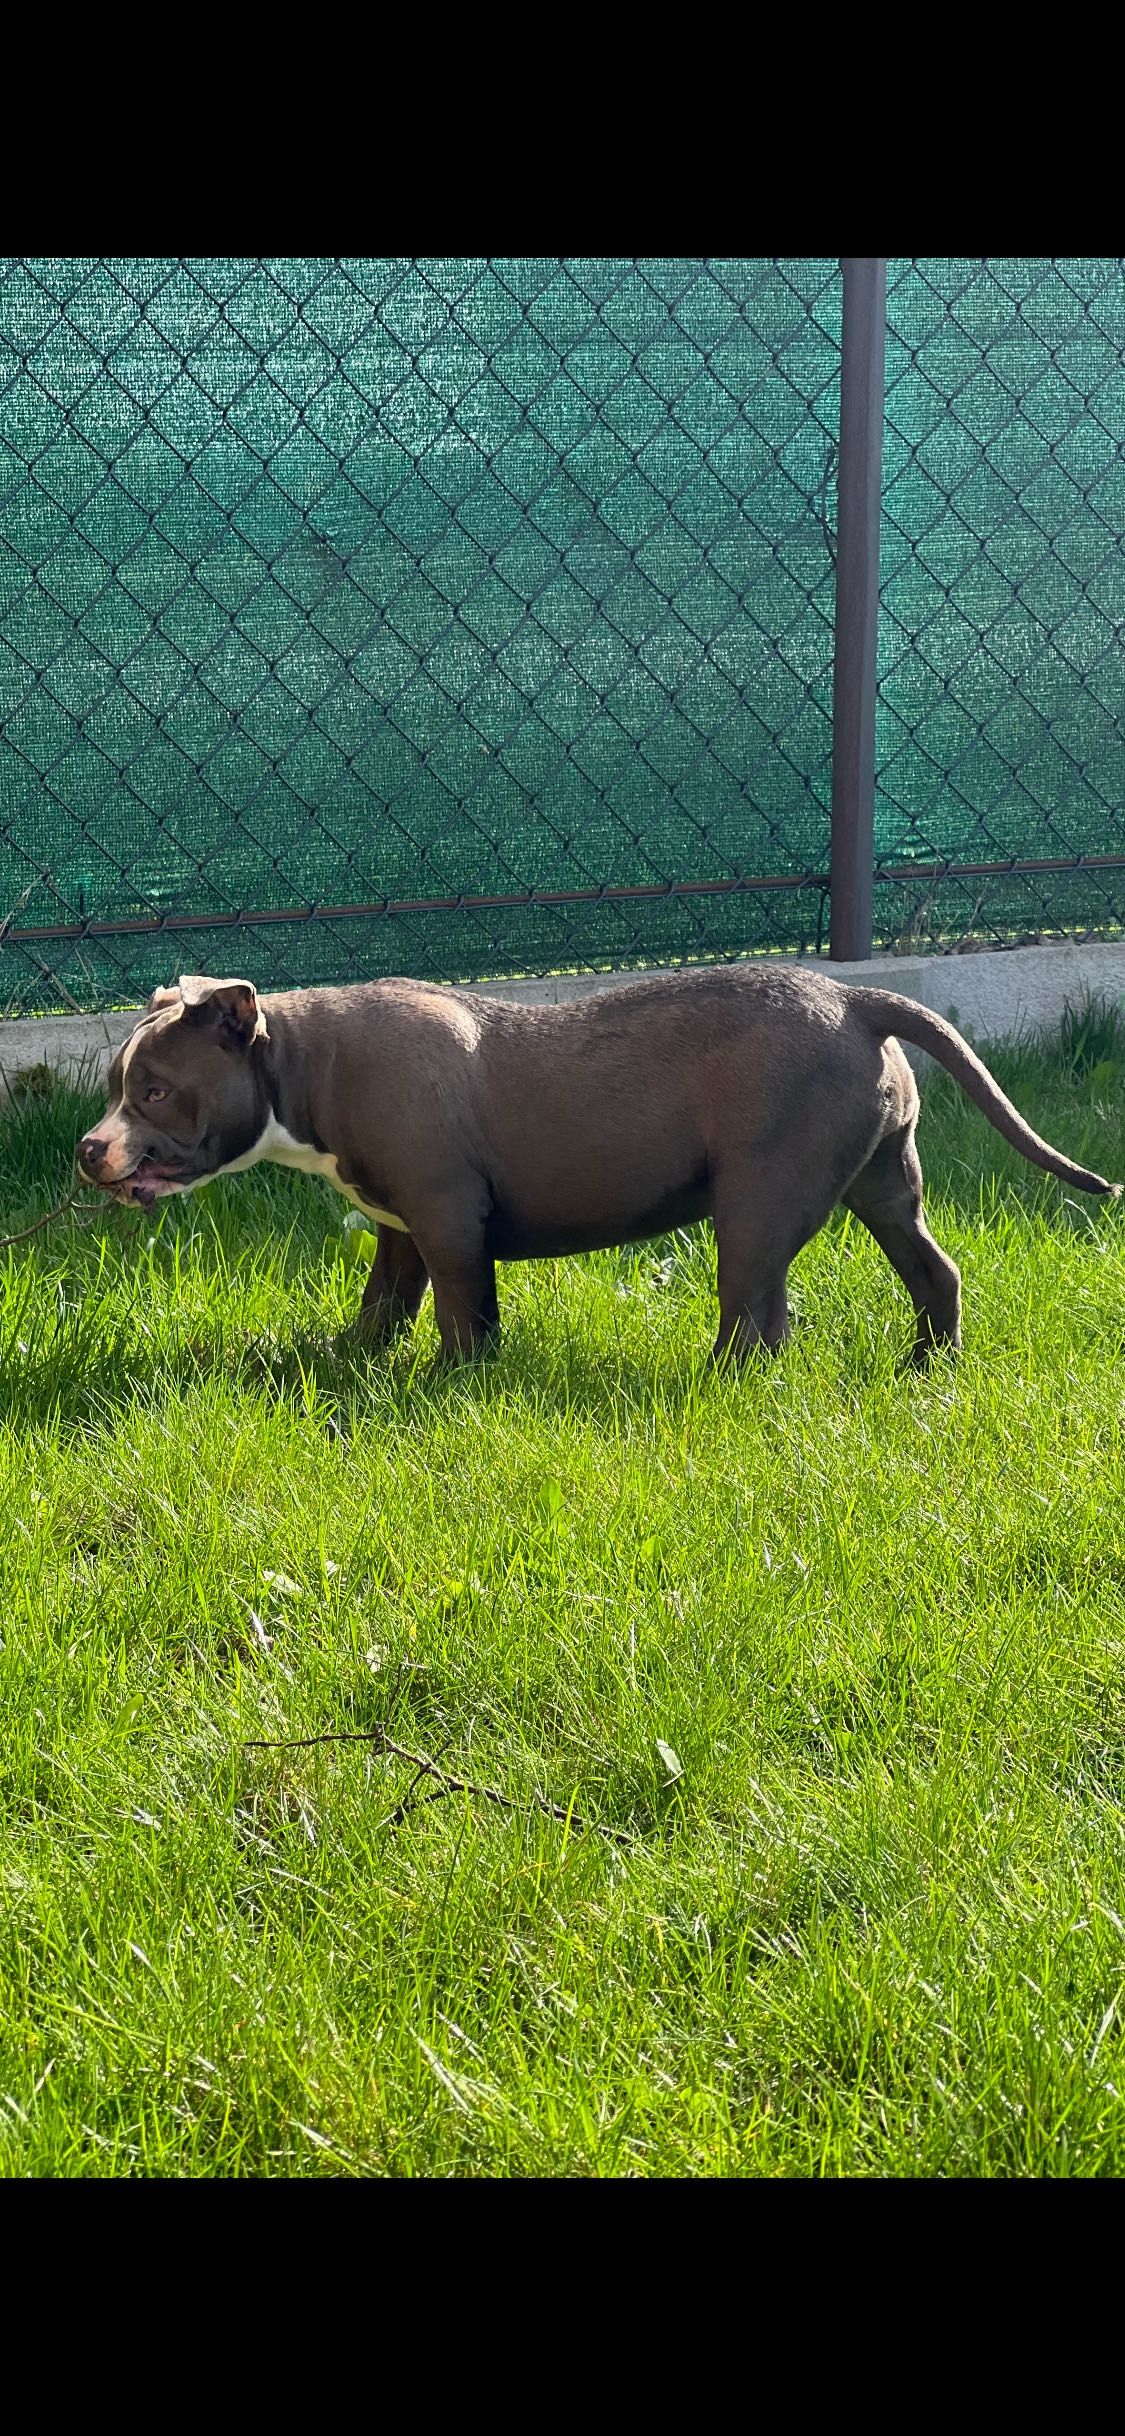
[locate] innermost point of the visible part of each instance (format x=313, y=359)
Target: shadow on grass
x=90, y=1369
x=94, y=1362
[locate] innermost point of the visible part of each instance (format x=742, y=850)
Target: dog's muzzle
x=144, y=1183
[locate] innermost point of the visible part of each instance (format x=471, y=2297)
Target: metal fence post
x=862, y=347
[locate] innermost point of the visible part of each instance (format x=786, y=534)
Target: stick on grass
x=87, y=1209
x=446, y=1782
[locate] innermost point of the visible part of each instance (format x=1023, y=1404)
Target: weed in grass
x=1092, y=1034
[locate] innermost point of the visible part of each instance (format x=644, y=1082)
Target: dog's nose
x=91, y=1152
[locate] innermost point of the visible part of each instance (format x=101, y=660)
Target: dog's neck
x=289, y=1077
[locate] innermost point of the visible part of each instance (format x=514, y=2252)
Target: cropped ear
x=231, y=1007
x=162, y=998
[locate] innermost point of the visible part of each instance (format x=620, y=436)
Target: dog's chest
x=279, y=1144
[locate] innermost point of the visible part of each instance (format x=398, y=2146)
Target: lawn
x=821, y=1667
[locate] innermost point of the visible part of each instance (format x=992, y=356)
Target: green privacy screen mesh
x=411, y=584
x=1002, y=598
x=476, y=617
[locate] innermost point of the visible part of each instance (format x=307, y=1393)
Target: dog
x=470, y=1130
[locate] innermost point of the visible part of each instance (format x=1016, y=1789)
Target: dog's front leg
x=392, y=1297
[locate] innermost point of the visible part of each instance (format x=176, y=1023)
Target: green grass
x=875, y=1926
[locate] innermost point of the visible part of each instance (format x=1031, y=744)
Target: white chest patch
x=278, y=1144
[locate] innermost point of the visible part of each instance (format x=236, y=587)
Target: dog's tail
x=885, y=1014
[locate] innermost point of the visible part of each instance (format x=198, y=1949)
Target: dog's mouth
x=149, y=1179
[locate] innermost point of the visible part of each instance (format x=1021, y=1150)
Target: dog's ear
x=230, y=1006
x=162, y=998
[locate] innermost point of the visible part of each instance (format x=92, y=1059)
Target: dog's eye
x=156, y=1094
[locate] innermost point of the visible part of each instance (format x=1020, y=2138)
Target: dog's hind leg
x=465, y=1306
x=462, y=1271
x=887, y=1196
x=753, y=1312
x=392, y=1297
x=760, y=1226
x=754, y=1256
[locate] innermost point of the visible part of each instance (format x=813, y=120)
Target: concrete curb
x=1000, y=994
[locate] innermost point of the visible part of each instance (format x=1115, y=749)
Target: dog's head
x=186, y=1093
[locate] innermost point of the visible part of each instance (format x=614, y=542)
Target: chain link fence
x=1001, y=747
x=441, y=616
x=477, y=617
